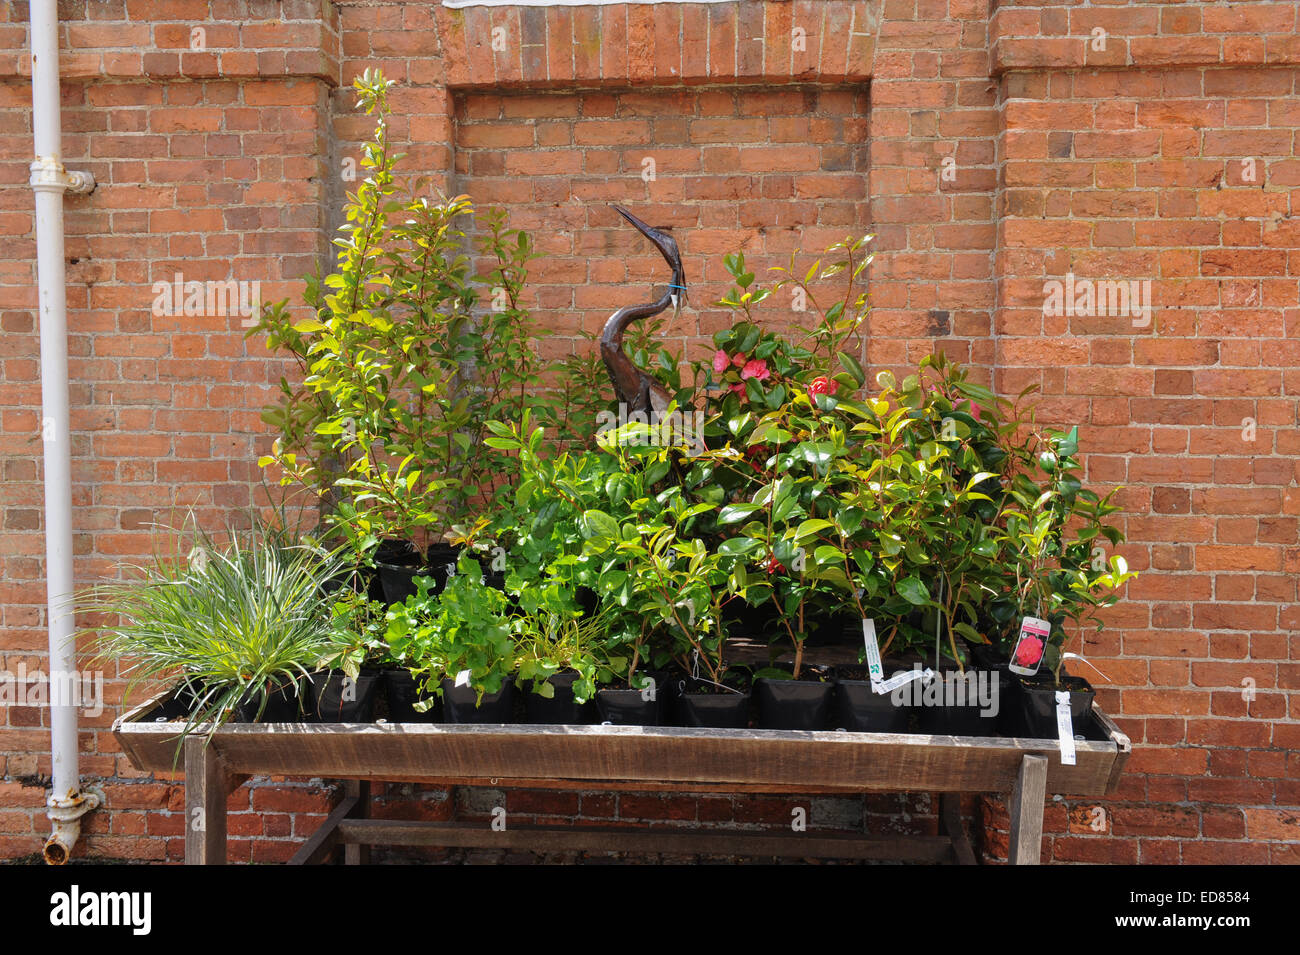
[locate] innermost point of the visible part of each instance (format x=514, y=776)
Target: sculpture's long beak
x=665, y=243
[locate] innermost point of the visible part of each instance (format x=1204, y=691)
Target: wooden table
x=621, y=758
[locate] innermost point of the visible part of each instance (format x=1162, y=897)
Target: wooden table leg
x=1027, y=801
x=360, y=791
x=207, y=784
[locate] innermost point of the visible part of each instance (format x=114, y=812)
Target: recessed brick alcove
x=756, y=169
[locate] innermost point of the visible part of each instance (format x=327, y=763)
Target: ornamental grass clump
x=232, y=621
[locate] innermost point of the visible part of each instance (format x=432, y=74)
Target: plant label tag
x=1028, y=654
x=1064, y=727
x=902, y=677
x=874, y=668
x=462, y=678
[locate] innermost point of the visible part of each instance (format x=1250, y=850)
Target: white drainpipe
x=67, y=802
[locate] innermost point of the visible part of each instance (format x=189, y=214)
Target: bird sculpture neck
x=635, y=388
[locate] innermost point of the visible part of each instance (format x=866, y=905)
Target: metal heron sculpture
x=637, y=389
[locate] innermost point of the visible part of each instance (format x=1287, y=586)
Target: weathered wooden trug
x=624, y=758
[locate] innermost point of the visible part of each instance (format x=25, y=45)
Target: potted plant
x=558, y=662
x=403, y=362
x=344, y=689
x=237, y=624
x=459, y=645
x=1059, y=578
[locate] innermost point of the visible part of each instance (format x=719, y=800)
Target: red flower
x=738, y=359
x=1029, y=652
x=823, y=386
x=773, y=565
x=738, y=388
x=755, y=369
x=720, y=361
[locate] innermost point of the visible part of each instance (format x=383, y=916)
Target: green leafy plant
x=405, y=357
x=1059, y=576
x=463, y=630
x=231, y=620
x=555, y=639
x=357, y=633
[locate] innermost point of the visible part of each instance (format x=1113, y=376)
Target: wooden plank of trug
x=1027, y=801
x=807, y=761
x=206, y=789
x=1123, y=745
x=391, y=832
x=321, y=843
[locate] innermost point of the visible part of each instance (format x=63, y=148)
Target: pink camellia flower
x=971, y=408
x=738, y=388
x=1029, y=652
x=738, y=359
x=720, y=361
x=756, y=369
x=823, y=386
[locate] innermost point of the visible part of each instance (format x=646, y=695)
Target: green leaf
x=913, y=591
x=597, y=525
x=737, y=512
x=853, y=368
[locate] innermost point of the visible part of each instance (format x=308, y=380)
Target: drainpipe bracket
x=65, y=814
x=72, y=807
x=49, y=175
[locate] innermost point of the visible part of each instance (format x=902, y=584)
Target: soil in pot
x=859, y=709
x=787, y=704
x=336, y=698
x=624, y=706
x=1038, y=705
x=699, y=703
x=403, y=690
x=460, y=703
x=561, y=708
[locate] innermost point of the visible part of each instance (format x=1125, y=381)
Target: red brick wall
x=990, y=147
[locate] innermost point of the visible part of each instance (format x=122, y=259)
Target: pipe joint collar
x=74, y=805
x=49, y=175
x=65, y=814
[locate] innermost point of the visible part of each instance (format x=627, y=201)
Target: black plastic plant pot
x=283, y=705
x=561, y=708
x=404, y=692
x=629, y=708
x=460, y=703
x=336, y=698
x=953, y=720
x=859, y=709
x=841, y=630
x=398, y=582
x=793, y=704
x=397, y=575
x=1038, y=705
x=702, y=704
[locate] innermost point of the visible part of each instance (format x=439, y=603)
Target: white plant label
x=462, y=678
x=1028, y=654
x=874, y=669
x=1064, y=727
x=903, y=676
